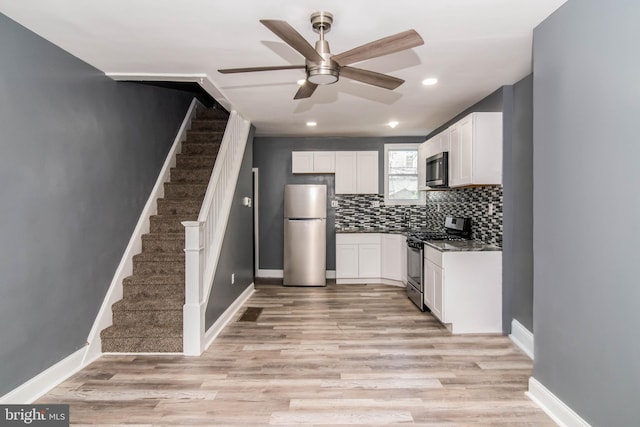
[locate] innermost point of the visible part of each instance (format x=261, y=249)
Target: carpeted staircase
x=149, y=317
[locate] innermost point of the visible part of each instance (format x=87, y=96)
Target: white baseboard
x=42, y=383
x=559, y=412
x=522, y=337
x=391, y=282
x=279, y=274
x=270, y=274
x=125, y=268
x=226, y=317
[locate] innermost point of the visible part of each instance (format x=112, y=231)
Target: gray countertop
x=441, y=245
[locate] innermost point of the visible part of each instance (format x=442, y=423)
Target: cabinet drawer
x=433, y=255
x=357, y=238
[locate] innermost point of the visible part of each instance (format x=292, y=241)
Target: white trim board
x=559, y=412
x=279, y=274
x=522, y=337
x=46, y=380
x=125, y=268
x=226, y=317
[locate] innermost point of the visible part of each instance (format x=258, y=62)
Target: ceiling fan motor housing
x=325, y=72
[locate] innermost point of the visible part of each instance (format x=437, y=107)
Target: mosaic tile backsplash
x=356, y=210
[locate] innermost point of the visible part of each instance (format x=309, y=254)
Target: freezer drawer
x=305, y=249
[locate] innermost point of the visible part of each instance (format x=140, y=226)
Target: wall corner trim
x=46, y=380
x=522, y=337
x=226, y=317
x=559, y=412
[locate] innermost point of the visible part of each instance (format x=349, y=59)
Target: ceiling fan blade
x=293, y=38
x=371, y=77
x=306, y=90
x=252, y=69
x=384, y=46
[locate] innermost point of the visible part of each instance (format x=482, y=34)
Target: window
x=401, y=174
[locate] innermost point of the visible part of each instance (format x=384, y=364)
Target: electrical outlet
x=438, y=207
x=375, y=204
x=334, y=203
x=233, y=278
x=490, y=208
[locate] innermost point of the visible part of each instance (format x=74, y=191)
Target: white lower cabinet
x=394, y=257
x=370, y=257
x=464, y=289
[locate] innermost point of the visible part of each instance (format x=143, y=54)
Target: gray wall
x=236, y=256
x=517, y=255
x=272, y=157
x=80, y=154
x=586, y=209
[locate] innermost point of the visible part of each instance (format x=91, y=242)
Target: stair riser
x=209, y=125
x=184, y=191
x=201, y=149
x=162, y=246
x=166, y=227
x=154, y=291
x=198, y=176
x=172, y=207
x=142, y=345
x=185, y=161
x=151, y=318
x=202, y=137
x=157, y=267
x=211, y=114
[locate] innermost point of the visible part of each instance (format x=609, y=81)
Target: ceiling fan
x=323, y=68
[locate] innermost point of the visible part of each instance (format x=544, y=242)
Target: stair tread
x=148, y=304
x=159, y=256
x=142, y=331
x=154, y=279
x=164, y=236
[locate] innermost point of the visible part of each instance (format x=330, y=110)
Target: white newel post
x=193, y=315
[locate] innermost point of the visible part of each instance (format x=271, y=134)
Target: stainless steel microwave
x=438, y=170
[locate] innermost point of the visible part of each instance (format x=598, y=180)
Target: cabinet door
x=324, y=162
x=454, y=155
x=345, y=172
x=465, y=151
x=393, y=247
x=438, y=292
x=369, y=260
x=423, y=151
x=433, y=289
x=367, y=172
x=347, y=261
x=302, y=162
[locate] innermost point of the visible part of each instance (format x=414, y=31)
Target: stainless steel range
x=455, y=228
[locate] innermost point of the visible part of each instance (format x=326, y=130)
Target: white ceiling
x=472, y=46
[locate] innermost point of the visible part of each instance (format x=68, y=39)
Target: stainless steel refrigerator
x=305, y=243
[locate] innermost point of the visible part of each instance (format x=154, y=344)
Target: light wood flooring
x=340, y=355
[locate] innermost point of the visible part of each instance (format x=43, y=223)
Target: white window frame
x=394, y=147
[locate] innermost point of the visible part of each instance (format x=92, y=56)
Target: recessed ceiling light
x=311, y=124
x=430, y=81
x=392, y=124
x=301, y=82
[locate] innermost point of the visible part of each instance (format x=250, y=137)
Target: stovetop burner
x=435, y=235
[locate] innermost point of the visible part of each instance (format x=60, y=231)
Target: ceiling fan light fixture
x=322, y=75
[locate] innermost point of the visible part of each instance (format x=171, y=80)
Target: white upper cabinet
x=356, y=172
x=312, y=162
x=475, y=155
